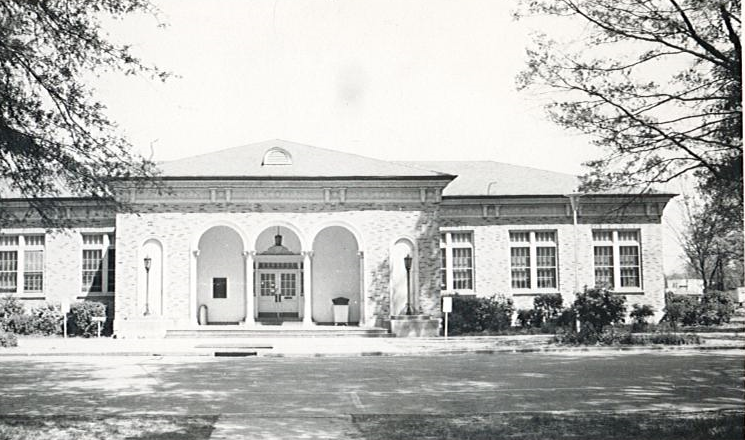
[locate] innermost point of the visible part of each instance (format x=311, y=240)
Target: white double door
x=278, y=292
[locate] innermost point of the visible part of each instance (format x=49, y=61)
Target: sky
x=389, y=79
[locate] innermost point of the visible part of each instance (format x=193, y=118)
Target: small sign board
x=98, y=319
x=65, y=306
x=447, y=304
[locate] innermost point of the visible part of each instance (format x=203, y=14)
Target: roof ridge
x=358, y=155
x=461, y=161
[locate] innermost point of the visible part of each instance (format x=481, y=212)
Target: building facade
x=275, y=231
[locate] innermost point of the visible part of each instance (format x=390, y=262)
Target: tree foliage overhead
x=54, y=135
x=656, y=83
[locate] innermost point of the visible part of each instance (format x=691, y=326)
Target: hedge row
x=47, y=319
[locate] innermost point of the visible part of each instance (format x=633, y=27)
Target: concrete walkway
x=326, y=346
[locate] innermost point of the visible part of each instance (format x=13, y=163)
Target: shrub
x=47, y=319
x=10, y=307
x=548, y=306
x=8, y=339
x=617, y=336
x=715, y=308
x=81, y=317
x=567, y=319
x=525, y=318
x=668, y=338
x=21, y=324
x=681, y=309
x=478, y=315
x=639, y=315
x=598, y=308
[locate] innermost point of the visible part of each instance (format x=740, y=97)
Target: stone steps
x=278, y=331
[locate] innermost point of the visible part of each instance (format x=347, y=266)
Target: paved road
x=322, y=392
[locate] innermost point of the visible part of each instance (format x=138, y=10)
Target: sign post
x=98, y=320
x=447, y=307
x=65, y=309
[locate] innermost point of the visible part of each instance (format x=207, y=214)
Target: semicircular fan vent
x=277, y=156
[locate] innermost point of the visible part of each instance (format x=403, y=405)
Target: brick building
x=272, y=232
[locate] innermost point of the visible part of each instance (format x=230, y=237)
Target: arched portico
x=278, y=275
x=336, y=273
x=220, y=282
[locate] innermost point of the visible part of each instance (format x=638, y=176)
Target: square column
x=249, y=258
x=307, y=309
x=363, y=297
x=193, y=287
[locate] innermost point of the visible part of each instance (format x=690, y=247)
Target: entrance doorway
x=279, y=286
x=278, y=276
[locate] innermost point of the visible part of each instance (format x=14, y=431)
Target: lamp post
x=147, y=261
x=407, y=264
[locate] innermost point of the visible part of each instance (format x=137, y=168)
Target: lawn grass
x=720, y=425
x=59, y=427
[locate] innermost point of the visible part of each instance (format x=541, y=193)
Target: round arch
x=220, y=274
x=336, y=273
x=197, y=236
x=343, y=224
x=260, y=228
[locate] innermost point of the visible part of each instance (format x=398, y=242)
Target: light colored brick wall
x=178, y=231
x=492, y=258
x=62, y=267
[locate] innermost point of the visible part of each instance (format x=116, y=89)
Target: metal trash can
x=202, y=315
x=341, y=310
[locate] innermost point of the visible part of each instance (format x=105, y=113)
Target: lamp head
x=407, y=262
x=148, y=261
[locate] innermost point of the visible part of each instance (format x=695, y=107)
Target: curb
x=456, y=351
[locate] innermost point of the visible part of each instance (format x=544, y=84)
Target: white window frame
x=533, y=246
x=20, y=248
x=448, y=245
x=106, y=244
x=616, y=244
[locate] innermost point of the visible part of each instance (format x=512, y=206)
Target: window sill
x=628, y=292
x=32, y=296
x=532, y=292
x=457, y=292
x=96, y=295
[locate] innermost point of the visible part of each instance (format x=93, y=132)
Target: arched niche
x=336, y=272
x=151, y=282
x=402, y=248
x=221, y=275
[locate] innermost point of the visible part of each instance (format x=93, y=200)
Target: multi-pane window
x=8, y=271
x=21, y=264
x=92, y=272
x=99, y=262
x=456, y=260
x=533, y=260
x=287, y=284
x=617, y=258
x=267, y=284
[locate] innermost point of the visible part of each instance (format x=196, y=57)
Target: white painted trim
x=197, y=235
x=313, y=233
